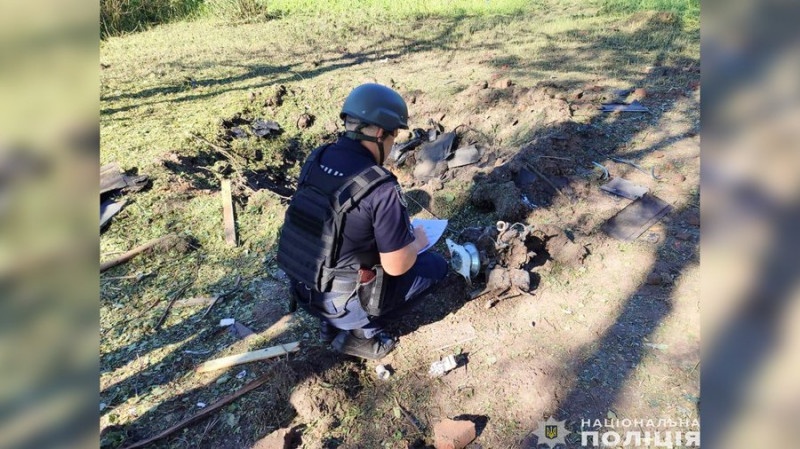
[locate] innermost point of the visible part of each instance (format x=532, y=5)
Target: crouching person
x=347, y=243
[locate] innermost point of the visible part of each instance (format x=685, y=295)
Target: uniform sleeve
x=391, y=223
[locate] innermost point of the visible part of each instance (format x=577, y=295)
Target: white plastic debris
x=103, y=406
x=383, y=373
x=227, y=322
x=201, y=405
x=242, y=374
x=442, y=366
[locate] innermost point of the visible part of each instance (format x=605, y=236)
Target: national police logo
x=401, y=195
x=551, y=433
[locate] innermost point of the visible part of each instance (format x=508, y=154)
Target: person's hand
x=420, y=238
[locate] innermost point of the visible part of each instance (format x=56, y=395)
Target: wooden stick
x=247, y=357
x=555, y=157
x=177, y=295
x=205, y=412
x=222, y=295
x=457, y=343
x=408, y=416
x=134, y=252
x=227, y=213
x=541, y=175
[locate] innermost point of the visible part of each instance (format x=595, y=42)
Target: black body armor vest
x=311, y=236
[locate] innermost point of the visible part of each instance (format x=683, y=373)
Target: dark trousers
x=401, y=294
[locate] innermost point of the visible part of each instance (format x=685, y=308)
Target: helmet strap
x=358, y=135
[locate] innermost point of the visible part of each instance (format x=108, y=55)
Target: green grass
x=371, y=8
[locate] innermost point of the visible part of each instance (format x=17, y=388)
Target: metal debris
x=652, y=171
x=605, y=170
x=263, y=128
x=636, y=218
x=624, y=188
x=382, y=372
x=441, y=367
x=634, y=106
x=464, y=156
x=108, y=209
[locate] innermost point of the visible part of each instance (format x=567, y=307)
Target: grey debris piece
x=624, y=188
x=634, y=106
x=108, y=209
x=464, y=156
x=637, y=217
x=263, y=128
x=431, y=153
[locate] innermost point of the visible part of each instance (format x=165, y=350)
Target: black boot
x=367, y=348
x=327, y=332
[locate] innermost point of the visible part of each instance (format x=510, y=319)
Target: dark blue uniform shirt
x=380, y=223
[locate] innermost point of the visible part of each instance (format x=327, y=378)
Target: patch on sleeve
x=400, y=195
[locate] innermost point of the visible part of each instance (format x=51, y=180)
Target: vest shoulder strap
x=348, y=195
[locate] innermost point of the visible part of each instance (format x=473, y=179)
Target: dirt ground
x=602, y=328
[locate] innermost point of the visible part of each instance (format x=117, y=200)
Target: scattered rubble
x=452, y=434
x=275, y=98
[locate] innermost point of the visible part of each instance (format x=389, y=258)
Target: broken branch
x=177, y=295
x=205, y=412
x=134, y=252
x=222, y=295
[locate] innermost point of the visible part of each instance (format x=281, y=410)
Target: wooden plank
x=227, y=213
x=247, y=357
x=205, y=412
x=111, y=178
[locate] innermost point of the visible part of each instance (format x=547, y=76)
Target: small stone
x=502, y=83
x=533, y=323
x=653, y=238
x=654, y=279
x=678, y=178
x=279, y=439
x=305, y=121
x=451, y=434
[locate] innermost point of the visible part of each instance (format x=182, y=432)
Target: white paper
x=433, y=229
